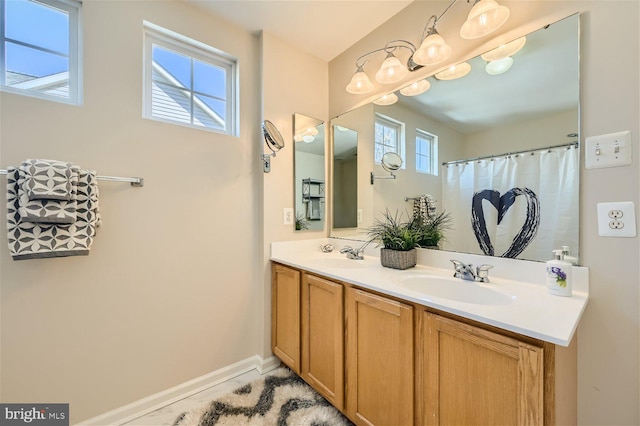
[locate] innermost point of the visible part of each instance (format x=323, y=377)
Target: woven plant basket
x=398, y=259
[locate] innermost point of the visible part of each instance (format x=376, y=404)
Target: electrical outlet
x=617, y=219
x=287, y=216
x=616, y=224
x=615, y=214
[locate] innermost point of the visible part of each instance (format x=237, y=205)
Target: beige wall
x=165, y=294
x=294, y=82
x=608, y=336
x=548, y=130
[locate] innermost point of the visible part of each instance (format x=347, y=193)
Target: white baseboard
x=153, y=402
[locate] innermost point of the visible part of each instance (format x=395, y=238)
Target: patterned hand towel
x=46, y=210
x=48, y=179
x=28, y=240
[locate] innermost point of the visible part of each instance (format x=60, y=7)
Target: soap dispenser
x=559, y=275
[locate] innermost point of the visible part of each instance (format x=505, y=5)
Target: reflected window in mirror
x=309, y=173
x=389, y=137
x=426, y=153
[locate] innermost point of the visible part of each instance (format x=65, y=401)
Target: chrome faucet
x=466, y=272
x=355, y=254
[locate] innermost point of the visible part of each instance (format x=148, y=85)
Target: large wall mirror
x=498, y=152
x=309, y=161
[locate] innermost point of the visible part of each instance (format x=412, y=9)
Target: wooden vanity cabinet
x=285, y=315
x=471, y=376
x=360, y=350
x=323, y=337
x=379, y=359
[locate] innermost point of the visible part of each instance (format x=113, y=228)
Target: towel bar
x=135, y=181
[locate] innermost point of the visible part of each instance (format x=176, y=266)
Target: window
x=40, y=49
x=389, y=137
x=426, y=153
x=189, y=83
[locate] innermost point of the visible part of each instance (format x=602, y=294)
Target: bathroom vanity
x=386, y=347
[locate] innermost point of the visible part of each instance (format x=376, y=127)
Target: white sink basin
x=454, y=289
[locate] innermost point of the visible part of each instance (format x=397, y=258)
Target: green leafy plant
x=301, y=223
x=394, y=233
x=431, y=229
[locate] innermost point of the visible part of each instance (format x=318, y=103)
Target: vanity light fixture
x=360, y=83
x=391, y=70
x=500, y=66
x=388, y=99
x=307, y=135
x=433, y=49
x=504, y=50
x=417, y=88
x=485, y=17
x=454, y=71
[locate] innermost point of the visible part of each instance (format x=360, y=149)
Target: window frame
x=74, y=10
x=400, y=140
x=433, y=151
x=178, y=43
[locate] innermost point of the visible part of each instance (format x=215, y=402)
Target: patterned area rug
x=281, y=398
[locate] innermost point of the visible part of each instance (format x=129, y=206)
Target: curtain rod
x=576, y=144
x=135, y=181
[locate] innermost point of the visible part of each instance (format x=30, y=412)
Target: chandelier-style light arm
x=389, y=47
x=428, y=30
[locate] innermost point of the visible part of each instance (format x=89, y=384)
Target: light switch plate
x=617, y=219
x=611, y=150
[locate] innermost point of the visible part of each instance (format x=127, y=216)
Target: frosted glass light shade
x=389, y=99
x=391, y=70
x=417, y=88
x=485, y=17
x=433, y=50
x=499, y=67
x=454, y=71
x=504, y=50
x=360, y=83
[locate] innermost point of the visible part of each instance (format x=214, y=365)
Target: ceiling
x=324, y=28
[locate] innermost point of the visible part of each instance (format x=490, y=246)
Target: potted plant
x=431, y=228
x=399, y=240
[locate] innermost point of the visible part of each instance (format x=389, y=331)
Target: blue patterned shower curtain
x=520, y=205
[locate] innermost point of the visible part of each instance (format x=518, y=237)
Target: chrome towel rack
x=134, y=181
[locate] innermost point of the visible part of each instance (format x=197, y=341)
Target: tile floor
x=168, y=414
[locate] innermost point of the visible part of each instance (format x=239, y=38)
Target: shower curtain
x=521, y=205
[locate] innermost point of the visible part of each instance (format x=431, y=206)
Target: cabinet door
x=285, y=315
x=472, y=376
x=379, y=361
x=323, y=337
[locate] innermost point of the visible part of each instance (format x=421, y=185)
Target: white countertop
x=529, y=309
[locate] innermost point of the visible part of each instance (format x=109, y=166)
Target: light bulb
x=391, y=70
x=416, y=88
x=360, y=83
x=485, y=17
x=433, y=50
x=454, y=71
